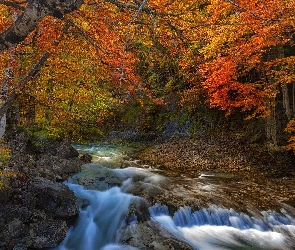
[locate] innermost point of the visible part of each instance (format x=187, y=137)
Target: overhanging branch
x=32, y=15
x=22, y=83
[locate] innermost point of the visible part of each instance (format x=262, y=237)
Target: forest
x=83, y=68
x=147, y=124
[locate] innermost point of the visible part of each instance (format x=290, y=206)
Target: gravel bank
x=263, y=179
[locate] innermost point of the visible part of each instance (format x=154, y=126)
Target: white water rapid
x=105, y=211
x=99, y=220
x=220, y=228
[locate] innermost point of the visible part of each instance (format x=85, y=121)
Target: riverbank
x=203, y=170
x=36, y=209
x=265, y=179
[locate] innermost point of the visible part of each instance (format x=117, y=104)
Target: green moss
x=30, y=164
x=4, y=157
x=4, y=154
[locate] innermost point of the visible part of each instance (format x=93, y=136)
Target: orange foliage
x=241, y=39
x=229, y=50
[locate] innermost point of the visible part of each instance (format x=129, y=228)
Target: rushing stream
x=107, y=190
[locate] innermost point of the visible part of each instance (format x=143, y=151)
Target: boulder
x=17, y=229
x=58, y=166
x=65, y=150
x=150, y=235
x=36, y=210
x=3, y=245
x=23, y=143
x=97, y=177
x=47, y=234
x=62, y=149
x=86, y=158
x=54, y=198
x=22, y=228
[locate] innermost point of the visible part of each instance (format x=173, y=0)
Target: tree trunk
x=271, y=125
x=7, y=102
x=30, y=116
x=286, y=101
x=32, y=15
x=13, y=116
x=3, y=99
x=2, y=126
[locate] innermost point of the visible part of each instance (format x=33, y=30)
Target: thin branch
x=13, y=4
x=88, y=39
x=251, y=12
x=125, y=5
x=22, y=83
x=147, y=10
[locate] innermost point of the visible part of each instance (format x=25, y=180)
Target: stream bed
x=126, y=205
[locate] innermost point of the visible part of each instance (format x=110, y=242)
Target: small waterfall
x=101, y=216
x=220, y=228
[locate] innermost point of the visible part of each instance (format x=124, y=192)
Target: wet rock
x=62, y=149
x=24, y=214
x=22, y=161
x=20, y=247
x=34, y=170
x=58, y=166
x=36, y=210
x=54, y=198
x=97, y=177
x=138, y=210
x=17, y=229
x=150, y=235
x=86, y=158
x=65, y=150
x=45, y=165
x=3, y=245
x=22, y=228
x=146, y=190
x=40, y=221
x=47, y=234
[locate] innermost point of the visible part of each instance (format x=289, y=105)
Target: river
x=113, y=189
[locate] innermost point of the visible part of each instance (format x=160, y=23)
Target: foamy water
x=103, y=214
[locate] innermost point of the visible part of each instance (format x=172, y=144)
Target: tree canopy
x=236, y=56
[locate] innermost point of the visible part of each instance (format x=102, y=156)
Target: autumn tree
x=54, y=29
x=232, y=55
x=241, y=50
x=106, y=30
